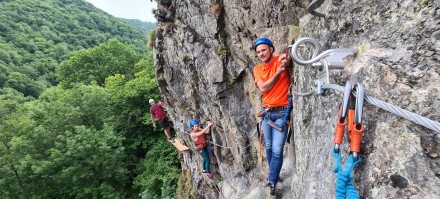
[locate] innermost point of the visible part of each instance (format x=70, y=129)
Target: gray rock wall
x=204, y=69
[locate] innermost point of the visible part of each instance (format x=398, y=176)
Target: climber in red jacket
x=158, y=111
x=198, y=135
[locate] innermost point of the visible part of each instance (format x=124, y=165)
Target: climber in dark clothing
x=198, y=135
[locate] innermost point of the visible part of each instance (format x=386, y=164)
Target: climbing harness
x=351, y=116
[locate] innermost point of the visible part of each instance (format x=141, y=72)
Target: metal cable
x=303, y=94
x=428, y=123
x=221, y=146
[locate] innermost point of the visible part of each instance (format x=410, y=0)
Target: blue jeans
x=274, y=141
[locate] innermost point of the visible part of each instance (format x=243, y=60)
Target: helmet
x=151, y=100
x=193, y=122
x=263, y=40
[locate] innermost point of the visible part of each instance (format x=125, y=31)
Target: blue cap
x=263, y=40
x=193, y=122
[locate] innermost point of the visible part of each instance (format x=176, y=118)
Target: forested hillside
x=74, y=120
x=35, y=36
x=142, y=26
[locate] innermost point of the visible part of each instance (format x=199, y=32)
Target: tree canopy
x=74, y=120
x=37, y=35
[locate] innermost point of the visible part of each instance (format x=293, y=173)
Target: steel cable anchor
x=327, y=60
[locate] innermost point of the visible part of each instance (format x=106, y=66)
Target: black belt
x=278, y=108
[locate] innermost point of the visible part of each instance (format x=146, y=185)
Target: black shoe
x=272, y=189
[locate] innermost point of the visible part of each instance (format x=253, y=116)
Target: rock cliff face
x=204, y=70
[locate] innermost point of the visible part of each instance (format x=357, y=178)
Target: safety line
x=428, y=123
x=221, y=146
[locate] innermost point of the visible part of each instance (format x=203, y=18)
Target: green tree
x=96, y=64
x=159, y=172
x=62, y=146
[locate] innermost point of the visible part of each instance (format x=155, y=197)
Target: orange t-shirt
x=277, y=95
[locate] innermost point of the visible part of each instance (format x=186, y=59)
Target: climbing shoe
x=171, y=140
x=211, y=176
x=272, y=189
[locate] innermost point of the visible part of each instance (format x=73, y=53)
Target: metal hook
x=334, y=57
x=345, y=101
x=313, y=5
x=359, y=89
x=302, y=41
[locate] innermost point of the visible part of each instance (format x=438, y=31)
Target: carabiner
x=357, y=127
x=342, y=115
x=346, y=100
x=359, y=89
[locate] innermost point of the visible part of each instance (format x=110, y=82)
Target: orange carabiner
x=342, y=115
x=357, y=126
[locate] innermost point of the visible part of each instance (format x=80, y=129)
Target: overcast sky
x=128, y=9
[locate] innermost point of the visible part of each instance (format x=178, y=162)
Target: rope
x=221, y=146
x=344, y=184
x=428, y=123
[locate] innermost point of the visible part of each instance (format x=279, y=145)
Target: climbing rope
x=344, y=185
x=428, y=123
x=350, y=114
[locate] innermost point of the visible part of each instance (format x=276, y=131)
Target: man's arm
x=267, y=85
x=152, y=120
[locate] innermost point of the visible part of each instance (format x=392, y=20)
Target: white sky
x=128, y=9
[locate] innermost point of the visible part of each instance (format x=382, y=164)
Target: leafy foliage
x=96, y=64
x=36, y=35
x=64, y=141
x=160, y=174
x=89, y=136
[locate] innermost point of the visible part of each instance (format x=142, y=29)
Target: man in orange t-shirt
x=273, y=80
